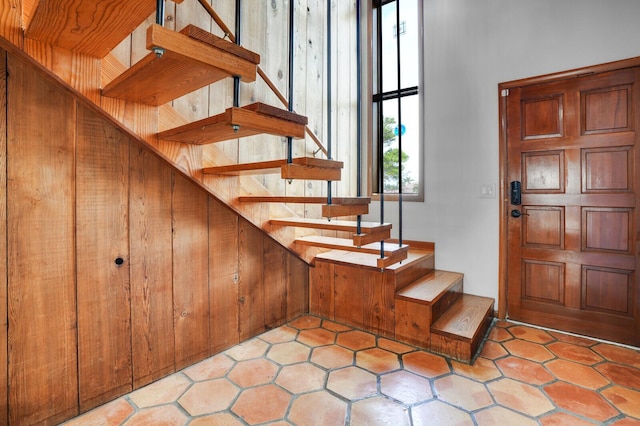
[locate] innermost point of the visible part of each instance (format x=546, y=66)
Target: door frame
x=504, y=184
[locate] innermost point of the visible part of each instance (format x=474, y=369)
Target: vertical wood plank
x=297, y=287
x=275, y=277
x=378, y=298
x=349, y=283
x=251, y=284
x=190, y=272
x=4, y=395
x=223, y=276
x=41, y=267
x=10, y=19
x=102, y=237
x=151, y=272
x=321, y=289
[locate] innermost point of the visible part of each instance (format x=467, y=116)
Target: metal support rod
x=359, y=112
x=399, y=125
x=291, y=54
x=380, y=136
x=160, y=12
x=236, y=79
x=329, y=97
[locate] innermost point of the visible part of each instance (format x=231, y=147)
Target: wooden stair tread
x=430, y=288
x=347, y=245
x=104, y=24
x=186, y=65
x=370, y=261
x=239, y=122
x=464, y=318
x=302, y=167
x=303, y=200
x=333, y=225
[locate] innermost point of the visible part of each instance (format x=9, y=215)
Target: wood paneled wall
x=83, y=327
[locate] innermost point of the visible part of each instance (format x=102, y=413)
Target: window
x=396, y=108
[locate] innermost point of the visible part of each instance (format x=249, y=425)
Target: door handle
x=518, y=213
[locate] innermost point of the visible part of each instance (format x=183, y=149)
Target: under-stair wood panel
x=276, y=276
x=239, y=123
x=102, y=253
x=460, y=330
x=187, y=64
x=41, y=264
x=150, y=228
x=86, y=26
x=190, y=272
x=223, y=277
x=4, y=347
x=251, y=284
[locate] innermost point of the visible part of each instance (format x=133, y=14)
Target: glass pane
x=409, y=32
x=407, y=133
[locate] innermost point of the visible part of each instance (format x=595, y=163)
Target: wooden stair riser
x=422, y=267
x=368, y=237
x=339, y=210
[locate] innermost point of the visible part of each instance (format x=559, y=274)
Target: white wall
x=470, y=47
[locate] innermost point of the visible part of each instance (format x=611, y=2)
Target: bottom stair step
x=460, y=330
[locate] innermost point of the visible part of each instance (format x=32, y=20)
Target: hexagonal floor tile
x=253, y=372
x=288, y=353
x=499, y=335
x=406, y=387
x=279, y=335
x=301, y=378
x=317, y=337
x=563, y=419
x=581, y=401
x=619, y=354
x=112, y=413
x=530, y=334
x=524, y=370
x=377, y=360
x=305, y=322
x=482, y=370
x=352, y=383
x=208, y=397
x=210, y=368
x=621, y=374
x=501, y=416
x=474, y=397
x=332, y=357
x=528, y=350
x=520, y=397
x=439, y=413
x=220, y=419
x=393, y=346
x=493, y=350
x=425, y=364
x=379, y=411
x=163, y=415
x=356, y=340
x=250, y=349
x=575, y=353
x=161, y=392
x=320, y=408
x=575, y=373
x=626, y=400
x=262, y=404
x=334, y=326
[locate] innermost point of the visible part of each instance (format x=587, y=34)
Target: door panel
x=572, y=251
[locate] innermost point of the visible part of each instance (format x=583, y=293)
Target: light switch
x=488, y=190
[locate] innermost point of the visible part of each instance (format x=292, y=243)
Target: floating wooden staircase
x=409, y=301
x=399, y=294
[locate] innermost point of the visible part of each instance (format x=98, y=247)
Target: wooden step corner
x=372, y=235
x=239, y=122
x=460, y=330
x=340, y=210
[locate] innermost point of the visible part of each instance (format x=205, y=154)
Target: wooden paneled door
x=572, y=243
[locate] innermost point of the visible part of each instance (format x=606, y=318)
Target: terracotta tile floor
x=317, y=372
